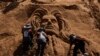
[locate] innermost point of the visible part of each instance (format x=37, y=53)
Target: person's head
x=28, y=25
x=41, y=29
x=72, y=37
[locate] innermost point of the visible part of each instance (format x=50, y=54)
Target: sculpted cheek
x=56, y=26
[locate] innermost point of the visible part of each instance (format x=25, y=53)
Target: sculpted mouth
x=49, y=27
x=51, y=32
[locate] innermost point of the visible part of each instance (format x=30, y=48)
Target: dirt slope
x=81, y=18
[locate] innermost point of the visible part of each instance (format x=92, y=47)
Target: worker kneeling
x=42, y=39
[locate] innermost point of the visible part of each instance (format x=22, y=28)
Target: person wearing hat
x=27, y=36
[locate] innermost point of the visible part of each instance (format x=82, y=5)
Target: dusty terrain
x=81, y=17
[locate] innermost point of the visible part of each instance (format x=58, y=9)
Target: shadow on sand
x=11, y=6
x=21, y=51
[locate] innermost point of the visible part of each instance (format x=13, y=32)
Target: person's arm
x=83, y=39
x=46, y=37
x=69, y=49
x=87, y=41
x=31, y=34
x=37, y=36
x=45, y=34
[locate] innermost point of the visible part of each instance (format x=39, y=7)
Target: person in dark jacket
x=79, y=44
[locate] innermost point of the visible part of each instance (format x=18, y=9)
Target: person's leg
x=31, y=44
x=38, y=49
x=82, y=47
x=75, y=50
x=25, y=45
x=42, y=49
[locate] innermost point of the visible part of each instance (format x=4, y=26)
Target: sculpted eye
x=54, y=21
x=44, y=20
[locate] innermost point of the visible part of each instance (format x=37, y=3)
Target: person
x=27, y=36
x=42, y=39
x=31, y=37
x=79, y=44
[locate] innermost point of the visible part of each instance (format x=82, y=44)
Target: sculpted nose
x=49, y=22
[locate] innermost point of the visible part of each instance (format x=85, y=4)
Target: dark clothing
x=31, y=38
x=27, y=38
x=42, y=39
x=26, y=45
x=41, y=46
x=79, y=45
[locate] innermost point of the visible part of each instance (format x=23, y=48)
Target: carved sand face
x=51, y=24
